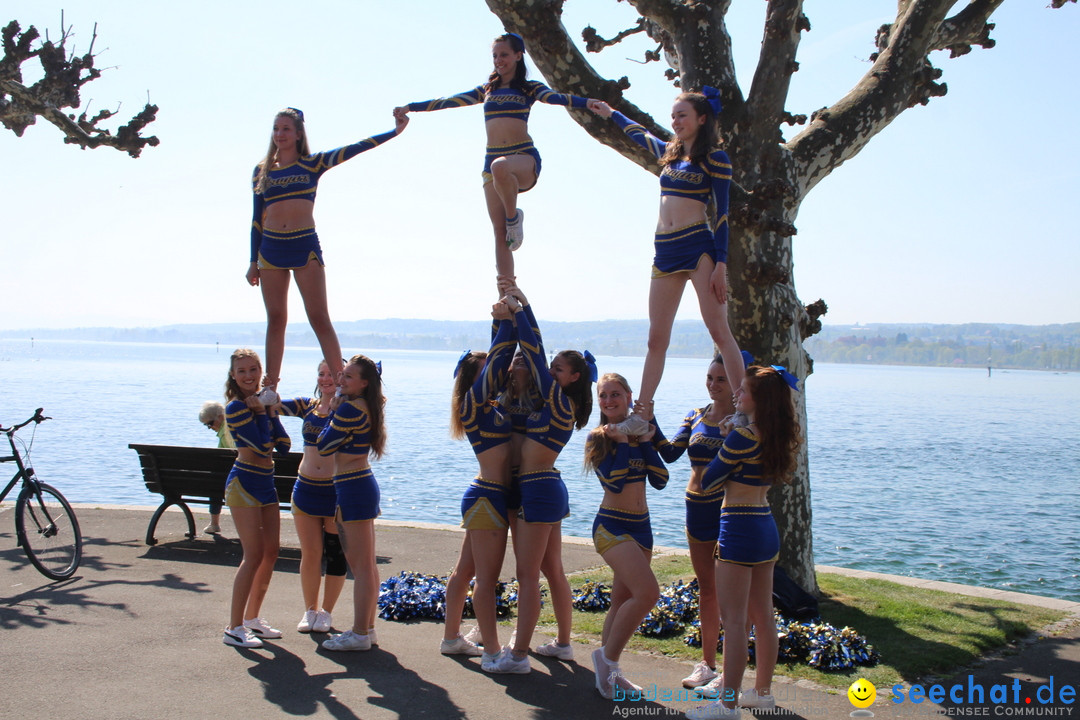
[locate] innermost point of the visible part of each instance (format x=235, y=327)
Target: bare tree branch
x=58, y=88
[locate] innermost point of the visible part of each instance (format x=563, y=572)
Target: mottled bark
x=771, y=177
x=58, y=88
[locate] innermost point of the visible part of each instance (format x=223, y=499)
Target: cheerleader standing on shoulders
x=567, y=403
x=622, y=532
x=701, y=435
x=751, y=459
x=252, y=498
x=314, y=505
x=512, y=163
x=356, y=430
x=283, y=238
x=695, y=173
x=475, y=415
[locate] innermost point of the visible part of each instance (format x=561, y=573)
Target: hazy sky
x=957, y=212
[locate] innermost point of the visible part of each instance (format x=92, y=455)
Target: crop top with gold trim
x=503, y=102
x=739, y=461
x=486, y=424
x=687, y=179
x=349, y=431
x=631, y=462
x=300, y=180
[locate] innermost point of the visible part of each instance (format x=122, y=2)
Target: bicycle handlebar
x=37, y=418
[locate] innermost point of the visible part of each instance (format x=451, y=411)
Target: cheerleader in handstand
x=283, y=238
x=622, y=532
x=355, y=431
x=695, y=173
x=512, y=163
x=751, y=460
x=314, y=505
x=567, y=403
x=700, y=437
x=252, y=498
x=474, y=415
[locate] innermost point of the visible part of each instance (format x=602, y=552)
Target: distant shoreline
x=1000, y=346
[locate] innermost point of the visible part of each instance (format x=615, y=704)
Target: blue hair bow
x=521, y=41
x=457, y=368
x=378, y=368
x=791, y=380
x=747, y=359
x=298, y=111
x=590, y=362
x=713, y=96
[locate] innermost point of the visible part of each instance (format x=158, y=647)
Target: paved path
x=136, y=634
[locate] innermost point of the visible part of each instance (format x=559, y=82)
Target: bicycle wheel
x=48, y=530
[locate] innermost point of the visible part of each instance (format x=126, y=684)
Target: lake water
x=940, y=473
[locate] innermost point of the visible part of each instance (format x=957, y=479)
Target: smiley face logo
x=862, y=693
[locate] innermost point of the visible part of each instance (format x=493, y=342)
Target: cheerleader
x=283, y=238
x=750, y=461
x=252, y=498
x=512, y=163
x=622, y=532
x=696, y=173
x=314, y=505
x=355, y=431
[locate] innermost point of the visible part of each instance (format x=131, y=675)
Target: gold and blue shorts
x=681, y=250
x=748, y=535
x=498, y=151
x=357, y=496
x=543, y=497
x=314, y=496
x=703, y=516
x=483, y=506
x=289, y=250
x=613, y=527
x=250, y=486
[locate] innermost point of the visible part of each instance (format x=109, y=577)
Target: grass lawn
x=918, y=632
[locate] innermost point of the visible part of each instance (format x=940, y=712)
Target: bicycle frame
x=24, y=473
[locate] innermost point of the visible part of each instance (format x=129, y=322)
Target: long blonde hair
x=267, y=163
x=598, y=445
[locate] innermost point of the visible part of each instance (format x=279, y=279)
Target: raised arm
x=249, y=429
x=639, y=134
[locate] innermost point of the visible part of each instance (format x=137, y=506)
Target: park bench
x=186, y=475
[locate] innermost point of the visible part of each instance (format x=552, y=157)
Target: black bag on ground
x=790, y=599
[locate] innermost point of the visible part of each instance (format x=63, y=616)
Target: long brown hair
x=705, y=142
x=302, y=147
x=521, y=72
x=376, y=402
x=466, y=375
x=598, y=445
x=579, y=391
x=774, y=415
x=232, y=390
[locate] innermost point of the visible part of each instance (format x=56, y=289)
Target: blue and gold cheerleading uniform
x=292, y=249
x=629, y=462
x=543, y=493
x=701, y=440
x=680, y=250
x=748, y=534
x=250, y=485
x=504, y=102
x=518, y=414
x=483, y=506
x=349, y=433
x=311, y=496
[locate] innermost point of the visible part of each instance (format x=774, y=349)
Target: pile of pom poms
x=414, y=596
x=815, y=643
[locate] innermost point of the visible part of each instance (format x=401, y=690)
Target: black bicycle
x=45, y=524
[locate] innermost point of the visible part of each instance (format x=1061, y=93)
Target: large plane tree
x=773, y=176
x=62, y=75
